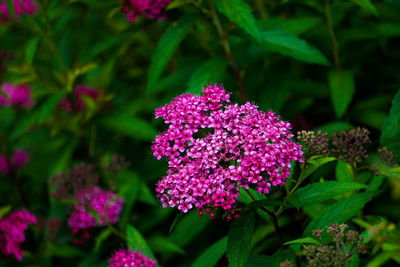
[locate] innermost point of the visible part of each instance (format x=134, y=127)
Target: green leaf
x=188, y=227
x=391, y=130
x=239, y=239
x=63, y=251
x=31, y=48
x=274, y=260
x=128, y=185
x=4, y=210
x=167, y=45
x=100, y=239
x=23, y=125
x=313, y=164
x=161, y=244
x=290, y=45
x=319, y=192
x=240, y=13
x=296, y=26
x=209, y=71
x=178, y=3
x=211, y=256
x=136, y=241
x=304, y=240
x=339, y=212
x=342, y=88
x=344, y=172
x=265, y=203
x=367, y=5
x=48, y=106
x=103, y=45
x=131, y=126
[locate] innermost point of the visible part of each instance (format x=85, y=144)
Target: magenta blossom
x=27, y=7
x=12, y=230
x=80, y=92
x=153, y=9
x=214, y=148
x=15, y=95
x=19, y=159
x=106, y=205
x=128, y=258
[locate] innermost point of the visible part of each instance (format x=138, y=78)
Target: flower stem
x=228, y=54
x=274, y=218
x=332, y=35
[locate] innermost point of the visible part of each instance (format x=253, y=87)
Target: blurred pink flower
x=27, y=7
x=12, y=230
x=79, y=106
x=19, y=159
x=4, y=165
x=15, y=95
x=128, y=258
x=153, y=9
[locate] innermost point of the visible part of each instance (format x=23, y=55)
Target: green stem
x=114, y=230
x=228, y=54
x=332, y=35
x=274, y=218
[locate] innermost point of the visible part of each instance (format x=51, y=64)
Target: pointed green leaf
x=211, y=256
x=50, y=104
x=167, y=45
x=209, y=71
x=31, y=48
x=304, y=240
x=342, y=88
x=240, y=13
x=313, y=164
x=339, y=212
x=319, y=192
x=344, y=172
x=188, y=227
x=290, y=45
x=367, y=5
x=136, y=242
x=239, y=238
x=391, y=130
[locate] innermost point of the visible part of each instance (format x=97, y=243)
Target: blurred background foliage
x=321, y=64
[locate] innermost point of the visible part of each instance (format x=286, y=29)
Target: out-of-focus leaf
x=167, y=45
x=23, y=125
x=31, y=48
x=313, y=164
x=339, y=212
x=391, y=130
x=64, y=251
x=161, y=244
x=146, y=195
x=7, y=116
x=136, y=241
x=210, y=71
x=344, y=172
x=128, y=185
x=188, y=227
x=4, y=210
x=367, y=5
x=342, y=88
x=319, y=192
x=211, y=256
x=354, y=261
x=335, y=127
x=239, y=239
x=240, y=13
x=100, y=238
x=50, y=104
x=274, y=260
x=134, y=127
x=178, y=3
x=371, y=118
x=101, y=46
x=304, y=240
x=380, y=259
x=288, y=44
x=296, y=26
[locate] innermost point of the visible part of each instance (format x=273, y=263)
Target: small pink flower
x=4, y=165
x=21, y=7
x=153, y=9
x=79, y=106
x=12, y=230
x=128, y=258
x=15, y=95
x=20, y=158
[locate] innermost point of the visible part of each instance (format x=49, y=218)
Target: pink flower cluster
x=15, y=95
x=128, y=258
x=214, y=147
x=154, y=9
x=104, y=204
x=12, y=230
x=80, y=92
x=19, y=159
x=20, y=7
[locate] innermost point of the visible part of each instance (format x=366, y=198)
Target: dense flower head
x=27, y=7
x=80, y=92
x=128, y=258
x=106, y=205
x=214, y=147
x=153, y=9
x=18, y=160
x=12, y=232
x=15, y=95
